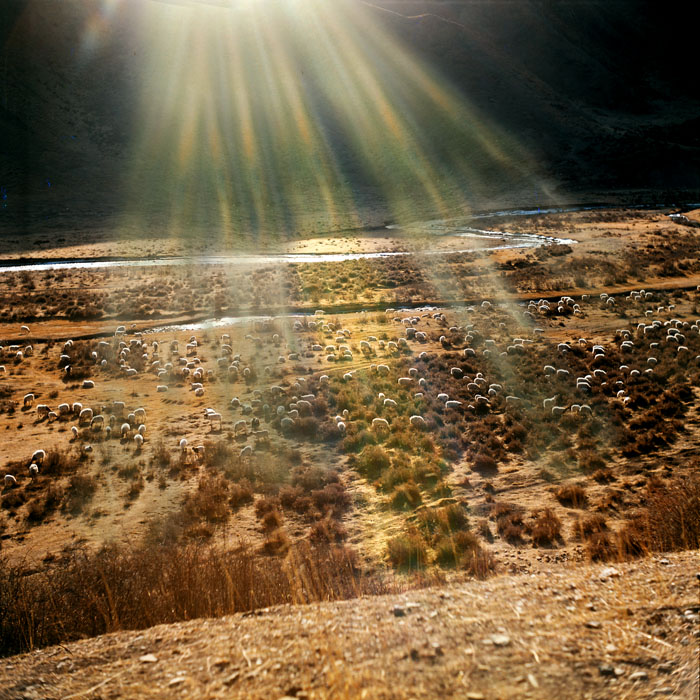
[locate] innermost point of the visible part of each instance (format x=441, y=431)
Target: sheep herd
x=289, y=371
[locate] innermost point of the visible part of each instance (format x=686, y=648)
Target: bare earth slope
x=590, y=632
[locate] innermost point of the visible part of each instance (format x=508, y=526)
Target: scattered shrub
x=408, y=552
x=572, y=495
x=546, y=527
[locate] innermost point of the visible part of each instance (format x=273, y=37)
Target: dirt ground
x=628, y=631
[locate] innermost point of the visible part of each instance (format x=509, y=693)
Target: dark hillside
x=575, y=99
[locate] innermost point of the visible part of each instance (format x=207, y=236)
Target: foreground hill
x=586, y=632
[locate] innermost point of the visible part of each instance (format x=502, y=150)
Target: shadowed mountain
x=125, y=114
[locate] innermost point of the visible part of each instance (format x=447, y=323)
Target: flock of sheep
x=285, y=403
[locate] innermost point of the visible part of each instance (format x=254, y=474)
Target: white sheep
x=33, y=470
x=74, y=431
x=380, y=424
x=418, y=422
x=28, y=400
x=183, y=445
x=97, y=423
x=214, y=417
x=88, y=384
x=247, y=451
x=138, y=439
x=10, y=480
x=125, y=429
x=39, y=456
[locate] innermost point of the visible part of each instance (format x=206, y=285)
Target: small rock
x=665, y=562
x=176, y=681
x=399, y=611
x=415, y=655
x=639, y=676
x=500, y=640
x=606, y=670
x=593, y=624
x=609, y=572
x=475, y=696
x=148, y=659
x=664, y=690
x=611, y=648
x=533, y=681
x=619, y=671
x=220, y=663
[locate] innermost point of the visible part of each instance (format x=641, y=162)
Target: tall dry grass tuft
x=88, y=594
x=670, y=521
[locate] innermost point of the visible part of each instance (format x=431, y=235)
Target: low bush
x=572, y=496
x=408, y=552
x=545, y=528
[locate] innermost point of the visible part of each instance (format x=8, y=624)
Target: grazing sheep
x=28, y=400
x=125, y=429
x=405, y=381
x=183, y=445
x=33, y=470
x=85, y=416
x=240, y=426
x=10, y=480
x=418, y=422
x=138, y=440
x=97, y=423
x=39, y=456
x=74, y=431
x=87, y=449
x=453, y=404
x=88, y=384
x=547, y=403
x=380, y=424
x=42, y=410
x=214, y=417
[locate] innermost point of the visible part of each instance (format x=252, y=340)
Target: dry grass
x=116, y=588
x=669, y=522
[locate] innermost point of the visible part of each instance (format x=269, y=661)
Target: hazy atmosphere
x=349, y=349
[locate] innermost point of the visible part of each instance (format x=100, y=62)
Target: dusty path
x=630, y=631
